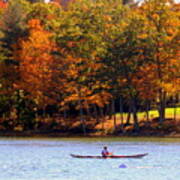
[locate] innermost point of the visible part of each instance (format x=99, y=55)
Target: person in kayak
x=105, y=152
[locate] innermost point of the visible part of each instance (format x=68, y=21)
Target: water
x=49, y=159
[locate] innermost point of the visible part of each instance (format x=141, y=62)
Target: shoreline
x=50, y=134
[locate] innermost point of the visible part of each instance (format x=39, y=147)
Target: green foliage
x=25, y=114
x=13, y=26
x=47, y=13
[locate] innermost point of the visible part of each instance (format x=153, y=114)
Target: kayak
x=111, y=156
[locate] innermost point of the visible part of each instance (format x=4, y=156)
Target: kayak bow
x=137, y=156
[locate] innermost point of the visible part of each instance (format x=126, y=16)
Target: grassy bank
x=169, y=113
x=170, y=126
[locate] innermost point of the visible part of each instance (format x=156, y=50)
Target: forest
x=74, y=68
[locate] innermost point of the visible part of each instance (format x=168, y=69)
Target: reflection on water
x=49, y=159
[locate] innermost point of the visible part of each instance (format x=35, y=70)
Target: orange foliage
x=78, y=83
x=36, y=63
x=3, y=4
x=161, y=19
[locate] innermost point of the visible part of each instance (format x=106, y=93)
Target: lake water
x=49, y=159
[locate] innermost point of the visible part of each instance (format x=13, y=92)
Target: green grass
x=154, y=113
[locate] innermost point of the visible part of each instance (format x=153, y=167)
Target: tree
x=36, y=64
x=12, y=28
x=162, y=24
x=83, y=33
x=47, y=13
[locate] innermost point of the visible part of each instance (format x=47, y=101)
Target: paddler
x=105, y=152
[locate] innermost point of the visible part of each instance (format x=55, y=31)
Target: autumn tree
x=36, y=61
x=84, y=33
x=12, y=28
x=162, y=22
x=123, y=60
x=12, y=25
x=47, y=13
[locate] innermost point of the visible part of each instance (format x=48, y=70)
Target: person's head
x=105, y=147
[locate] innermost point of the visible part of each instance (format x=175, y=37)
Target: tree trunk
x=65, y=118
x=162, y=107
x=147, y=110
x=113, y=113
x=175, y=110
x=64, y=114
x=44, y=112
x=95, y=112
x=102, y=119
x=88, y=109
x=128, y=116
x=108, y=111
x=135, y=117
x=82, y=118
x=121, y=111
